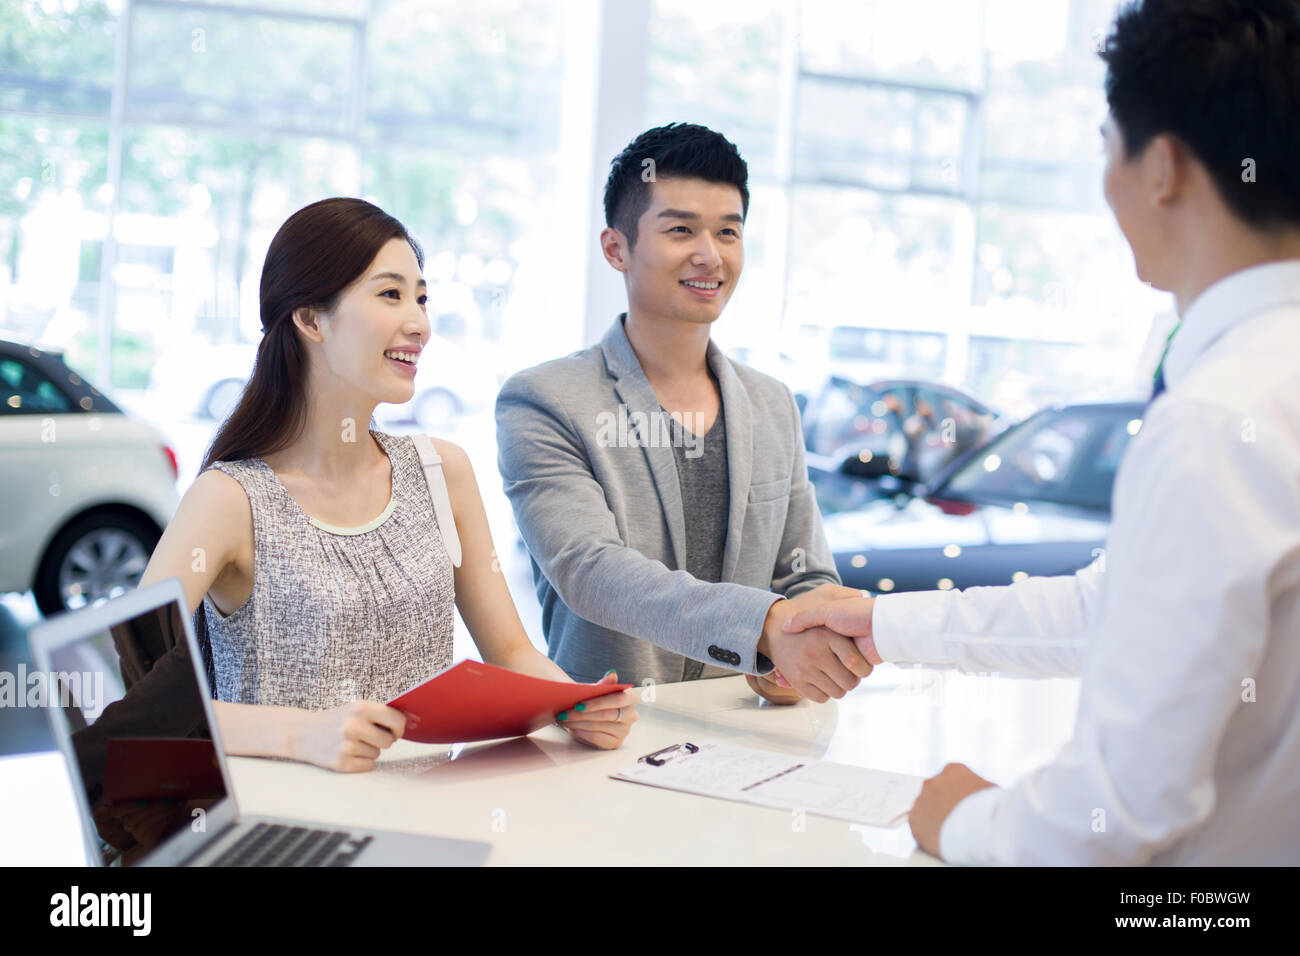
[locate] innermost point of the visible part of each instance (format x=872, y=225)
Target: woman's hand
x=347, y=738
x=602, y=722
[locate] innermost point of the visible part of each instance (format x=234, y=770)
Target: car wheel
x=222, y=399
x=97, y=557
x=436, y=409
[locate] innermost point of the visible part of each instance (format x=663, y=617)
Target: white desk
x=39, y=822
x=546, y=800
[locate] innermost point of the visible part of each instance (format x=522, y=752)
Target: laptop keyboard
x=274, y=844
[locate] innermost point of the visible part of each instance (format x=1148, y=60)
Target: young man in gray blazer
x=660, y=487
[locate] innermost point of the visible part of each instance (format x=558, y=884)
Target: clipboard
x=764, y=778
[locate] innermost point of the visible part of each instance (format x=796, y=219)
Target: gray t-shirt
x=702, y=476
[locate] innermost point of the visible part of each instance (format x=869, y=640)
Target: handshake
x=820, y=643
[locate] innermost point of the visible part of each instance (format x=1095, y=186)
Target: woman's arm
x=489, y=612
x=348, y=738
x=210, y=535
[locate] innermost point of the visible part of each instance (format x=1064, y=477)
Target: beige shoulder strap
x=431, y=461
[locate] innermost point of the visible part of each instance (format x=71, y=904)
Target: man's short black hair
x=1223, y=77
x=678, y=149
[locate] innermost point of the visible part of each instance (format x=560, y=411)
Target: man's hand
x=772, y=691
x=848, y=615
x=818, y=664
x=939, y=795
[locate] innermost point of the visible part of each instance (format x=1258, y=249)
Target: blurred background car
x=88, y=490
x=1034, y=501
x=866, y=441
x=451, y=380
x=201, y=379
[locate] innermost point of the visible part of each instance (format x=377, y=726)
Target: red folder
x=475, y=701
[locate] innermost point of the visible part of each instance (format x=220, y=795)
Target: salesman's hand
x=602, y=722
x=818, y=664
x=772, y=691
x=849, y=615
x=939, y=795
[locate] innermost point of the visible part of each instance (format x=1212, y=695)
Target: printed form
x=857, y=794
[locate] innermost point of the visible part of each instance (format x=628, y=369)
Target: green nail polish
x=564, y=715
x=581, y=707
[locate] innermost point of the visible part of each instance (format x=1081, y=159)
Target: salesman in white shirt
x=1186, y=633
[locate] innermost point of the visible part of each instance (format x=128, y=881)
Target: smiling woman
x=322, y=561
x=314, y=257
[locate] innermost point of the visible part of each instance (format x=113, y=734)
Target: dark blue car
x=1033, y=501
x=871, y=440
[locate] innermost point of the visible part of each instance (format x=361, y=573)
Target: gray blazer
x=599, y=506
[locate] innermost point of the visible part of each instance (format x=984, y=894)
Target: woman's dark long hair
x=318, y=252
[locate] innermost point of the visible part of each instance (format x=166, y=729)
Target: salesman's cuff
x=908, y=628
x=965, y=839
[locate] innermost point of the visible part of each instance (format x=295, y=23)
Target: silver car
x=86, y=489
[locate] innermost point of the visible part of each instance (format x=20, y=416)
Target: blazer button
x=724, y=655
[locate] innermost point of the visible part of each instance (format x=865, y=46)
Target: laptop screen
x=130, y=700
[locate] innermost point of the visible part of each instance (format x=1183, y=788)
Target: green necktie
x=1158, y=380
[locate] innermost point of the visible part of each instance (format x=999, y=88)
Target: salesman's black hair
x=1223, y=77
x=678, y=149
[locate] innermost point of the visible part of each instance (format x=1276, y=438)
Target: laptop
x=137, y=730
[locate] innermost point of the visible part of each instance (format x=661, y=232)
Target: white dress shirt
x=1185, y=632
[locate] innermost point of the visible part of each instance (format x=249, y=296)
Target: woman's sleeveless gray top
x=336, y=614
